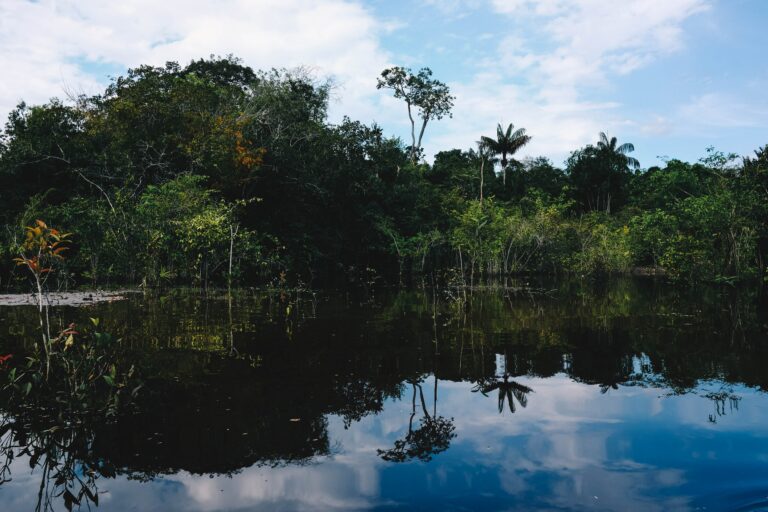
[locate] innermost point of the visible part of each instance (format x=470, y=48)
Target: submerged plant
x=54, y=395
x=76, y=373
x=42, y=248
x=83, y=375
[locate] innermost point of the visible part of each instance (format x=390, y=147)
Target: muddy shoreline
x=65, y=298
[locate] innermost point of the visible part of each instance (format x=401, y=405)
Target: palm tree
x=506, y=143
x=610, y=149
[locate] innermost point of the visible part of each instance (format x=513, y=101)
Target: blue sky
x=671, y=76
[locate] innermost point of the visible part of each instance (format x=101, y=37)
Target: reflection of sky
x=571, y=448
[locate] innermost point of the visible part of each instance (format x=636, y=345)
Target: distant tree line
x=214, y=173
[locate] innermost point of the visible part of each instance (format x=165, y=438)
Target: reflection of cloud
x=572, y=448
x=336, y=486
x=596, y=487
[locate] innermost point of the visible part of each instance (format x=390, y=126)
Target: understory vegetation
x=216, y=173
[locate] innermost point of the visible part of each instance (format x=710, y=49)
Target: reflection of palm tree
x=432, y=436
x=610, y=382
x=605, y=387
x=508, y=389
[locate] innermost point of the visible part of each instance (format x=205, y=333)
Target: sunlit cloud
x=49, y=47
x=547, y=77
x=551, y=66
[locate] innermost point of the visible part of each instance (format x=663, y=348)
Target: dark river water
x=624, y=395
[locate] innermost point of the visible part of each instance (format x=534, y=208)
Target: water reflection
x=431, y=436
x=59, y=456
x=646, y=397
x=509, y=390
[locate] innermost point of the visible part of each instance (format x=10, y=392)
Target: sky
x=671, y=76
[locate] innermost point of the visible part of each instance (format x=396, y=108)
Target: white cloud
x=557, y=125
x=558, y=57
x=658, y=125
x=454, y=8
x=719, y=110
x=43, y=44
x=541, y=73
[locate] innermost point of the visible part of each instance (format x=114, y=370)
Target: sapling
x=42, y=248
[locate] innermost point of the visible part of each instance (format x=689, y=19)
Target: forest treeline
x=214, y=172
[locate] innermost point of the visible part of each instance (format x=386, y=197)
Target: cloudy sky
x=671, y=76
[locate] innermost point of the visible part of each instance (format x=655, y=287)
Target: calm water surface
x=628, y=395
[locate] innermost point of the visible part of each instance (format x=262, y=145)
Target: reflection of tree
x=224, y=380
x=432, y=435
x=509, y=390
x=358, y=398
x=612, y=385
x=56, y=451
x=720, y=399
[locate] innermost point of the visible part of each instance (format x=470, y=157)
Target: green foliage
x=430, y=98
x=85, y=376
x=478, y=232
x=506, y=143
x=535, y=241
x=602, y=247
x=214, y=172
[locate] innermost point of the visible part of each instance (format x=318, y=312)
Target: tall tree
x=431, y=99
x=506, y=144
x=600, y=175
x=614, y=153
x=482, y=150
x=486, y=156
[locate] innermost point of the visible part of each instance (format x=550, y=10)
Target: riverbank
x=64, y=298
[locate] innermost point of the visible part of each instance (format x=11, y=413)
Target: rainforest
x=214, y=173
x=214, y=298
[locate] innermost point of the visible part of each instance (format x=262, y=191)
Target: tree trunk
x=413, y=135
x=482, y=166
x=232, y=233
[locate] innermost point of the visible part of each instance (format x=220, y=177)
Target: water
x=627, y=395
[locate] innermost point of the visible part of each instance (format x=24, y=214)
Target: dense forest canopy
x=214, y=172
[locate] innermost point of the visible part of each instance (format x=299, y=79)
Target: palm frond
x=625, y=148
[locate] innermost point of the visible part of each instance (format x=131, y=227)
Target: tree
x=610, y=150
x=484, y=153
x=506, y=143
x=431, y=98
x=600, y=175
